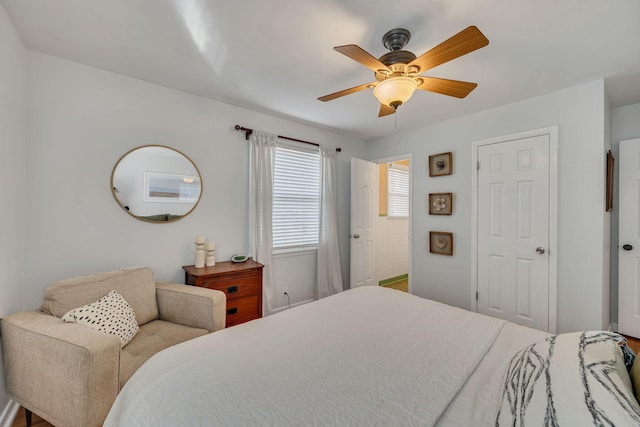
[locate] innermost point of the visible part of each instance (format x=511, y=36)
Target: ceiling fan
x=397, y=72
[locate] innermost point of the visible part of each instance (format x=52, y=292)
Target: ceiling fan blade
x=385, y=110
x=345, y=92
x=447, y=87
x=360, y=55
x=464, y=42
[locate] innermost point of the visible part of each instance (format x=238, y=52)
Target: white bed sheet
x=369, y=356
x=477, y=402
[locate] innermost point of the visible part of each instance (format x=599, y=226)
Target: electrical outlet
x=284, y=291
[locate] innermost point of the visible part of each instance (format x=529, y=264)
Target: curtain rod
x=249, y=131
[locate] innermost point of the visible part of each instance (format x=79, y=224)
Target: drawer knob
x=233, y=310
x=232, y=289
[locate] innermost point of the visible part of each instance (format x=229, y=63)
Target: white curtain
x=329, y=278
x=262, y=156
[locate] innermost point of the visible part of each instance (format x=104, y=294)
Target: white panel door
x=364, y=204
x=629, y=239
x=513, y=231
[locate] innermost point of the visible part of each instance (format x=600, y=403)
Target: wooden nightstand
x=242, y=282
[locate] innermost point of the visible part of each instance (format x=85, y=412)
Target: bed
x=379, y=357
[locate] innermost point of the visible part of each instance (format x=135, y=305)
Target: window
x=398, y=191
x=296, y=198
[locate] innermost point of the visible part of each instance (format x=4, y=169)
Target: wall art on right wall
x=440, y=203
x=441, y=242
x=610, y=162
x=440, y=164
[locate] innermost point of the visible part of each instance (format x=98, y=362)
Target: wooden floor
x=36, y=421
x=401, y=285
x=634, y=343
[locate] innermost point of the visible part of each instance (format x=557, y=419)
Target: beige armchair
x=70, y=374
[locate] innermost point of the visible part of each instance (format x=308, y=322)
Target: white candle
x=199, y=239
x=199, y=259
x=210, y=248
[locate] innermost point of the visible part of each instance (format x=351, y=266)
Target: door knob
x=627, y=247
x=540, y=250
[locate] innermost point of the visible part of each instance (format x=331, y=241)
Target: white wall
x=392, y=247
x=81, y=120
x=297, y=274
x=13, y=165
x=579, y=113
x=625, y=124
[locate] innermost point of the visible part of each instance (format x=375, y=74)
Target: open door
x=364, y=204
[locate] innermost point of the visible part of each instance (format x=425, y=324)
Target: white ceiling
x=277, y=55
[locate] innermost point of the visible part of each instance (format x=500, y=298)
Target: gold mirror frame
x=153, y=190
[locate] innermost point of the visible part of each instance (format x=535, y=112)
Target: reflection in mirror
x=156, y=184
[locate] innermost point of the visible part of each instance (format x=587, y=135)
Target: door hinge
x=476, y=295
x=478, y=166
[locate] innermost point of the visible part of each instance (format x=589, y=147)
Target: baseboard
x=9, y=413
x=393, y=279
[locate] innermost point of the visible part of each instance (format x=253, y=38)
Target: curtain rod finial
x=247, y=131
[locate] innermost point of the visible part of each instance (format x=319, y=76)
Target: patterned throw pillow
x=574, y=379
x=111, y=314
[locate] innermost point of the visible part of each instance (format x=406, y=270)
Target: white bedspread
x=369, y=356
x=477, y=402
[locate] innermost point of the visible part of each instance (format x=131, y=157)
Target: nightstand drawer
x=235, y=287
x=241, y=310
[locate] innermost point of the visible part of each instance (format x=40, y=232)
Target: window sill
x=294, y=251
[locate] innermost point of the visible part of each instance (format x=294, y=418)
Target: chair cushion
x=111, y=314
x=153, y=337
x=136, y=285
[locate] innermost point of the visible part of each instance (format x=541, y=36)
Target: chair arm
x=64, y=372
x=192, y=306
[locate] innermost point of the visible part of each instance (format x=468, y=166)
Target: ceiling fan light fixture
x=395, y=91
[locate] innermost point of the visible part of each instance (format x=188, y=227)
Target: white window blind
x=296, y=198
x=397, y=192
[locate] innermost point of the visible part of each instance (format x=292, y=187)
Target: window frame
x=395, y=195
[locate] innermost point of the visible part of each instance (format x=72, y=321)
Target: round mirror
x=156, y=184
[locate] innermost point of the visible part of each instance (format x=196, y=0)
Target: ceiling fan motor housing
x=397, y=57
x=395, y=40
